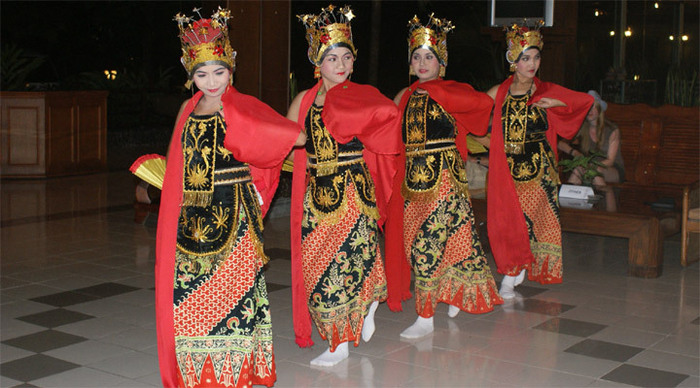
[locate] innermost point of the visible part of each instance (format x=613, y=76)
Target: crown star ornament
x=327, y=30
x=432, y=36
x=205, y=41
x=520, y=38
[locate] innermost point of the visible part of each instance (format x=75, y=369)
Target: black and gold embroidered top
x=220, y=202
x=332, y=167
x=525, y=139
x=428, y=133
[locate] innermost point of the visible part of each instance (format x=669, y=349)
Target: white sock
x=507, y=285
x=422, y=326
x=368, y=325
x=452, y=311
x=519, y=279
x=329, y=358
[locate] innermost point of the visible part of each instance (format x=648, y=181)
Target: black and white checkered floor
x=77, y=310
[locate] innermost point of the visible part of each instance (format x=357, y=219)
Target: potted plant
x=589, y=163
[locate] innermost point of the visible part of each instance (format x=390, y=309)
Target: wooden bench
x=660, y=145
x=643, y=226
x=661, y=150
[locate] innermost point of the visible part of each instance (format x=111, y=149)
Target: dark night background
x=72, y=43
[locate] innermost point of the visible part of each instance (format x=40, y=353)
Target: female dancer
x=340, y=185
x=523, y=208
x=434, y=217
x=212, y=311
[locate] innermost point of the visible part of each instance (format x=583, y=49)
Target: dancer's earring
x=442, y=72
x=317, y=72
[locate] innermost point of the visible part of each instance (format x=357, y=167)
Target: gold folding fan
x=150, y=168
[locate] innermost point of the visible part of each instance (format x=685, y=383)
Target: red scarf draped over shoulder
x=508, y=235
x=256, y=135
x=350, y=110
x=471, y=110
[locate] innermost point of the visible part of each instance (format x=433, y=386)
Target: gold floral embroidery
x=414, y=121
x=197, y=176
x=515, y=124
x=226, y=154
x=325, y=147
x=524, y=136
x=435, y=112
x=422, y=174
x=199, y=144
x=425, y=159
x=327, y=196
x=221, y=215
x=327, y=203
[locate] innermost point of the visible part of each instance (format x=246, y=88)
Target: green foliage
x=139, y=79
x=87, y=81
x=589, y=163
x=681, y=87
x=15, y=66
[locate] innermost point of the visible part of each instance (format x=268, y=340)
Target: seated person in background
x=597, y=134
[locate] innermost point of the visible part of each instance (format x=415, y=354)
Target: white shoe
x=421, y=327
x=519, y=279
x=507, y=286
x=452, y=311
x=329, y=358
x=368, y=325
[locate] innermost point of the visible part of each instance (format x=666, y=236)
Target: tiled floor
x=77, y=310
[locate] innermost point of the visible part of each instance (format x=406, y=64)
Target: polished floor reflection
x=77, y=310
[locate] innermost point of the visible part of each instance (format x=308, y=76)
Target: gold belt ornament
x=514, y=148
x=519, y=148
x=326, y=168
x=230, y=176
x=424, y=151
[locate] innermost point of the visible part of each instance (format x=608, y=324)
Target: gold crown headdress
x=327, y=30
x=521, y=38
x=432, y=36
x=205, y=41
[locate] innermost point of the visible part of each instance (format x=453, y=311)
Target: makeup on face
x=425, y=64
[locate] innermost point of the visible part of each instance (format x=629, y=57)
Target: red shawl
x=508, y=235
x=251, y=126
x=471, y=111
x=350, y=110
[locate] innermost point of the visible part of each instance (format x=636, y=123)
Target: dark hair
x=521, y=53
x=336, y=45
x=206, y=63
x=432, y=50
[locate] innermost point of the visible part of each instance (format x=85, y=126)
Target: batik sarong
x=223, y=332
x=341, y=260
x=440, y=237
x=532, y=166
